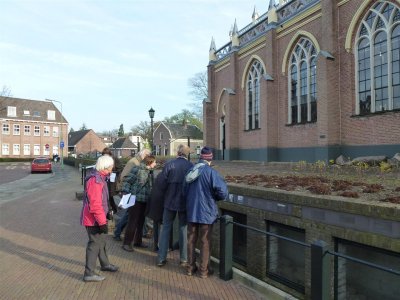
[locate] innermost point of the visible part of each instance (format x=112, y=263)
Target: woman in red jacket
x=93, y=217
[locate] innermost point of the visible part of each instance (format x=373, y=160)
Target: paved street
x=43, y=250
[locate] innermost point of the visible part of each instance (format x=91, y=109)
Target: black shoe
x=140, y=245
x=191, y=271
x=117, y=238
x=162, y=263
x=109, y=268
x=93, y=278
x=128, y=248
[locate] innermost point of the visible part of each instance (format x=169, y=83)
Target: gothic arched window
x=302, y=105
x=253, y=96
x=378, y=59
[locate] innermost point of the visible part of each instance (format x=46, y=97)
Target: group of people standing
x=182, y=189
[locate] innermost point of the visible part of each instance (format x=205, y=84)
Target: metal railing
x=320, y=263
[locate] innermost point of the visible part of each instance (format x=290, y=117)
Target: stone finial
x=271, y=4
x=235, y=35
x=211, y=54
x=272, y=15
x=255, y=15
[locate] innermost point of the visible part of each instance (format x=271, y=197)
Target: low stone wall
x=326, y=218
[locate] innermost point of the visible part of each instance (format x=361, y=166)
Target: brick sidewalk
x=43, y=254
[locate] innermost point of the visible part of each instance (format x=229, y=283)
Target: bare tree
x=5, y=91
x=198, y=85
x=187, y=115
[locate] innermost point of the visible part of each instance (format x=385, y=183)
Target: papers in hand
x=127, y=200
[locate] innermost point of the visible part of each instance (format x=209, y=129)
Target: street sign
x=47, y=146
x=62, y=144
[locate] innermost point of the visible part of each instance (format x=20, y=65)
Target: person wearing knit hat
x=206, y=154
x=202, y=188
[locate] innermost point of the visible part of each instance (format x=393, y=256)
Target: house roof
x=123, y=143
x=181, y=131
x=30, y=110
x=75, y=136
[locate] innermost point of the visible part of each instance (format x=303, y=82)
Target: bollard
x=225, y=251
x=320, y=271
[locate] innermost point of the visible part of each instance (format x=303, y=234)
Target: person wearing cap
x=170, y=183
x=202, y=188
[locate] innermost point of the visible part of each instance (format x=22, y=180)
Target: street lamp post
x=151, y=114
x=61, y=142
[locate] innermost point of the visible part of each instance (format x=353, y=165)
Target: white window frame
x=296, y=61
x=16, y=129
x=46, y=151
x=254, y=78
x=36, y=149
x=46, y=130
x=27, y=113
x=27, y=149
x=27, y=129
x=55, y=131
x=5, y=128
x=389, y=25
x=11, y=111
x=16, y=149
x=5, y=149
x=51, y=114
x=36, y=131
x=55, y=149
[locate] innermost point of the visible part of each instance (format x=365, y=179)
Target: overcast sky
x=109, y=61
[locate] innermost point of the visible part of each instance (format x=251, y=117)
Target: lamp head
x=151, y=113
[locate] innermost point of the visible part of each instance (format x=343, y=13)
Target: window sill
x=251, y=130
x=301, y=124
x=377, y=113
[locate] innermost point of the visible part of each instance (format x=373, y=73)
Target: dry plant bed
x=322, y=185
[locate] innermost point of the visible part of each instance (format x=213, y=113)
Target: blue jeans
x=121, y=224
x=168, y=221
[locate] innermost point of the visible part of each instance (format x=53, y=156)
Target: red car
x=41, y=164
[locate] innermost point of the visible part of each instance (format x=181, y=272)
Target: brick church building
x=307, y=80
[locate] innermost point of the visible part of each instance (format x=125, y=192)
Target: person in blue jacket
x=202, y=188
x=170, y=181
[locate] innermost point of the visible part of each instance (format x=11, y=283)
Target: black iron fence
x=320, y=260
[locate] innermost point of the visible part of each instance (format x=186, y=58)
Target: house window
x=161, y=135
x=6, y=128
x=27, y=129
x=37, y=130
x=11, y=111
x=36, y=149
x=302, y=104
x=353, y=278
x=36, y=114
x=51, y=115
x=46, y=130
x=55, y=131
x=5, y=149
x=27, y=149
x=55, y=149
x=253, y=96
x=16, y=149
x=378, y=60
x=46, y=151
x=26, y=113
x=16, y=129
x=286, y=260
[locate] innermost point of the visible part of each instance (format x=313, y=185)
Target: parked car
x=41, y=164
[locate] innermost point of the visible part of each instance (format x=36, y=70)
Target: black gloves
x=103, y=228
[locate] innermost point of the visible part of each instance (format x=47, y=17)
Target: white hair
x=104, y=162
x=143, y=153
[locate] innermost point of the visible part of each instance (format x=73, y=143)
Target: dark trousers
x=134, y=228
x=201, y=232
x=96, y=248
